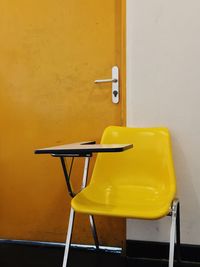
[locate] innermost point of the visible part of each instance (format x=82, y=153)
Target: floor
x=42, y=256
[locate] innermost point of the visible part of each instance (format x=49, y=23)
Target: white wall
x=163, y=84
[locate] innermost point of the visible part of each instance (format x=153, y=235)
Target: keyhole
x=115, y=93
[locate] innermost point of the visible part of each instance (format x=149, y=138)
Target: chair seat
x=142, y=202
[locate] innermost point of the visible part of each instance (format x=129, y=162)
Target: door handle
x=106, y=81
x=115, y=84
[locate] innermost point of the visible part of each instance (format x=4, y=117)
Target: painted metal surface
x=51, y=52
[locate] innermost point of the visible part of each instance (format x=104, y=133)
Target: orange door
x=51, y=52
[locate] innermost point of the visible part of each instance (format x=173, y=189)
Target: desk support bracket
x=67, y=176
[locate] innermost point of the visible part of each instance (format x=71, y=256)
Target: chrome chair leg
x=178, y=242
x=172, y=232
x=94, y=231
x=69, y=236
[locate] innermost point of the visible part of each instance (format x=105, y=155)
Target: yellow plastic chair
x=138, y=183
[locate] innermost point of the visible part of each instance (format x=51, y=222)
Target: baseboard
x=30, y=243
x=159, y=251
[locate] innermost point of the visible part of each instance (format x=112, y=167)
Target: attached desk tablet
x=82, y=149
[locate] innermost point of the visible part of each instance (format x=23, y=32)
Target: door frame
x=123, y=61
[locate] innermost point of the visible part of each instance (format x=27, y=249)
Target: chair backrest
x=148, y=164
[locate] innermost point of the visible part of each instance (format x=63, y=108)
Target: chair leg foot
x=69, y=236
x=94, y=231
